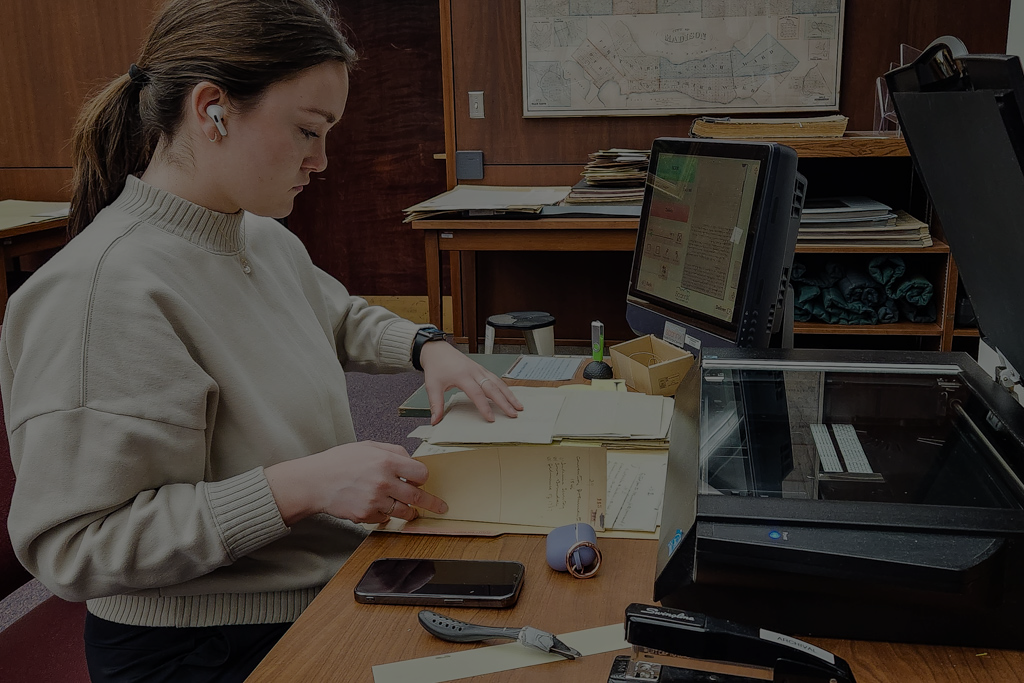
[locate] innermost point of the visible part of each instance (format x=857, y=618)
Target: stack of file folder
x=572, y=455
x=612, y=176
x=859, y=221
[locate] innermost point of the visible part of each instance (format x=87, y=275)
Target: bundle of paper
x=598, y=457
x=903, y=230
x=486, y=200
x=551, y=414
x=533, y=489
x=769, y=128
x=612, y=176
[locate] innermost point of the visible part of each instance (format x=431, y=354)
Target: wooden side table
x=28, y=238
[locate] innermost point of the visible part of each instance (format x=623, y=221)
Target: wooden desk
x=463, y=238
x=338, y=639
x=27, y=239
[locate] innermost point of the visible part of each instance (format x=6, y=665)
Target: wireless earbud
x=216, y=112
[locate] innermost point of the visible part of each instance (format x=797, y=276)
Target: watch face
x=432, y=334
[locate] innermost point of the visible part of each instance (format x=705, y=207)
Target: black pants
x=117, y=653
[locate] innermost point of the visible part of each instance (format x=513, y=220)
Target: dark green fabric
x=915, y=289
x=885, y=269
x=858, y=286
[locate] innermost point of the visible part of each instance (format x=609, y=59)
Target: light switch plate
x=476, y=104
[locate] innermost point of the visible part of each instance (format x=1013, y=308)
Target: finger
x=403, y=511
x=510, y=395
x=500, y=393
x=419, y=498
x=412, y=471
x=476, y=394
x=392, y=447
x=377, y=518
x=435, y=398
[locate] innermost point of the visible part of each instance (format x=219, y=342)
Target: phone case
x=370, y=595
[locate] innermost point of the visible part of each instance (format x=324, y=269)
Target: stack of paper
x=769, y=128
x=859, y=221
x=556, y=414
x=486, y=200
x=598, y=457
x=612, y=176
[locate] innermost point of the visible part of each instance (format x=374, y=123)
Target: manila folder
x=546, y=486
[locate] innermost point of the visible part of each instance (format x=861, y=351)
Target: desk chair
x=46, y=644
x=537, y=326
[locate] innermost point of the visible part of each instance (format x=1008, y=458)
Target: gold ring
x=583, y=572
x=394, y=502
x=481, y=381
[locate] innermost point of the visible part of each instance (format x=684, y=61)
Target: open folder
x=546, y=486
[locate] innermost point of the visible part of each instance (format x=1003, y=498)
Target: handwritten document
x=636, y=488
x=535, y=485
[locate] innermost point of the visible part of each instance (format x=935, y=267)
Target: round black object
x=521, y=320
x=597, y=369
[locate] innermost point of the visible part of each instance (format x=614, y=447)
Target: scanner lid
x=963, y=119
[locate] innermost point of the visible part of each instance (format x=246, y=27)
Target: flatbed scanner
x=875, y=495
x=868, y=495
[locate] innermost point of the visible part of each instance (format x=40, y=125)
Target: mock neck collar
x=211, y=230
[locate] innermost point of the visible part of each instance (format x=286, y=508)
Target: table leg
x=468, y=259
x=433, y=278
x=455, y=268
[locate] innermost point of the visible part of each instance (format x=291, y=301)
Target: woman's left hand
x=445, y=367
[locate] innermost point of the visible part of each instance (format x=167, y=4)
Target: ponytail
x=107, y=146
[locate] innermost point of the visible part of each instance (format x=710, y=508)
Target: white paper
x=463, y=423
x=545, y=368
x=611, y=415
x=483, y=660
x=636, y=489
x=467, y=197
x=853, y=452
x=826, y=451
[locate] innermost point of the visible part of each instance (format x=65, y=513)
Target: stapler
x=677, y=646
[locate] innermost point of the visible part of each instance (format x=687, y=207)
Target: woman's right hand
x=362, y=482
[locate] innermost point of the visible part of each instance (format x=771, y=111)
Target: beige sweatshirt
x=150, y=371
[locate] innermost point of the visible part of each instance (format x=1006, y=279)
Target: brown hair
x=242, y=46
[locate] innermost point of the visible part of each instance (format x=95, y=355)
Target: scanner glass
x=834, y=434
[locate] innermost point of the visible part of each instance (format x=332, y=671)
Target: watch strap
x=423, y=336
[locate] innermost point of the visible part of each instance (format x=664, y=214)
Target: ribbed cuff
x=217, y=609
x=395, y=350
x=245, y=512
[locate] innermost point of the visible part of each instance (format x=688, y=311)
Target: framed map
x=649, y=57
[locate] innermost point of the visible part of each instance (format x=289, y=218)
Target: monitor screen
x=715, y=243
x=696, y=232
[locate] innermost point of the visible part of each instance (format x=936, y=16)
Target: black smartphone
x=459, y=583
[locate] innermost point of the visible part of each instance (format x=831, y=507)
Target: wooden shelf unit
x=879, y=166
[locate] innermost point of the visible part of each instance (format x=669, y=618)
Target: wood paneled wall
x=486, y=55
x=381, y=154
x=381, y=157
x=54, y=54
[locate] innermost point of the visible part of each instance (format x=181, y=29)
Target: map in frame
x=656, y=57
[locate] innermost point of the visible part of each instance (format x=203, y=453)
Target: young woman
x=173, y=379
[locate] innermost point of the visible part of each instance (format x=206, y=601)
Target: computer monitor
x=715, y=246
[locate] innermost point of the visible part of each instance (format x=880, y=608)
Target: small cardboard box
x=651, y=365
